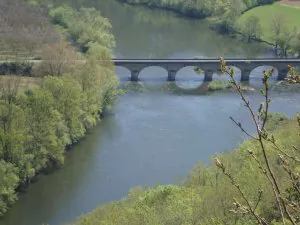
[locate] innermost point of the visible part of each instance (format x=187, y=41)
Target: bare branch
x=241, y=127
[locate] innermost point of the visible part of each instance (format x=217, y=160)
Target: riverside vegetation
x=259, y=20
x=257, y=183
x=203, y=8
x=37, y=124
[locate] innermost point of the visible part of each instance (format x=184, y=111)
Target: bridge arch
x=123, y=72
x=187, y=78
x=210, y=66
x=200, y=89
x=280, y=70
x=256, y=73
x=199, y=72
x=218, y=75
x=158, y=72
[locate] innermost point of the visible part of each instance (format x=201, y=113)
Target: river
x=157, y=131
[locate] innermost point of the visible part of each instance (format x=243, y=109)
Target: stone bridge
x=209, y=66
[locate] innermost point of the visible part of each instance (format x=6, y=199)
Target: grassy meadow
x=265, y=13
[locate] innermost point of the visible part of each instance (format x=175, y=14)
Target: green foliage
x=289, y=16
x=274, y=120
x=201, y=8
x=85, y=27
x=251, y=29
x=8, y=182
x=227, y=12
x=16, y=68
x=46, y=130
x=157, y=206
x=36, y=125
x=219, y=85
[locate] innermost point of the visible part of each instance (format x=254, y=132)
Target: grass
x=265, y=13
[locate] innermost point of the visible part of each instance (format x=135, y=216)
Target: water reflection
x=146, y=33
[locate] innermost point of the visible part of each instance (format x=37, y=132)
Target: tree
x=37, y=124
x=8, y=183
x=277, y=26
x=57, y=58
x=46, y=130
x=296, y=46
x=286, y=39
x=251, y=29
x=84, y=27
x=229, y=11
x=68, y=101
x=282, y=35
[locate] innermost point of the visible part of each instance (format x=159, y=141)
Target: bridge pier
x=171, y=75
x=282, y=73
x=208, y=75
x=135, y=75
x=245, y=76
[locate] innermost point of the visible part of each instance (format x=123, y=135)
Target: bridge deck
x=203, y=60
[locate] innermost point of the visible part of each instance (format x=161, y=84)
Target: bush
x=219, y=85
x=22, y=68
x=84, y=27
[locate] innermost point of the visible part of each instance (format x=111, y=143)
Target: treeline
x=203, y=8
x=36, y=125
x=224, y=14
x=85, y=27
x=282, y=36
x=225, y=18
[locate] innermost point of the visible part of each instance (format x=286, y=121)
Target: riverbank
x=269, y=14
x=206, y=194
x=198, y=8
x=41, y=116
x=239, y=20
x=180, y=7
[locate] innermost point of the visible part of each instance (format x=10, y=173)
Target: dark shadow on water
x=166, y=87
x=174, y=88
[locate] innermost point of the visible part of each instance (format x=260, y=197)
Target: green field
x=266, y=13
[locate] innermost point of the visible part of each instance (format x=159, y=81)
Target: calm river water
x=157, y=131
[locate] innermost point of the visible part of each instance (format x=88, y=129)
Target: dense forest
x=37, y=124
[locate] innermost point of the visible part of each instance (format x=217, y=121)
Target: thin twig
x=241, y=127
